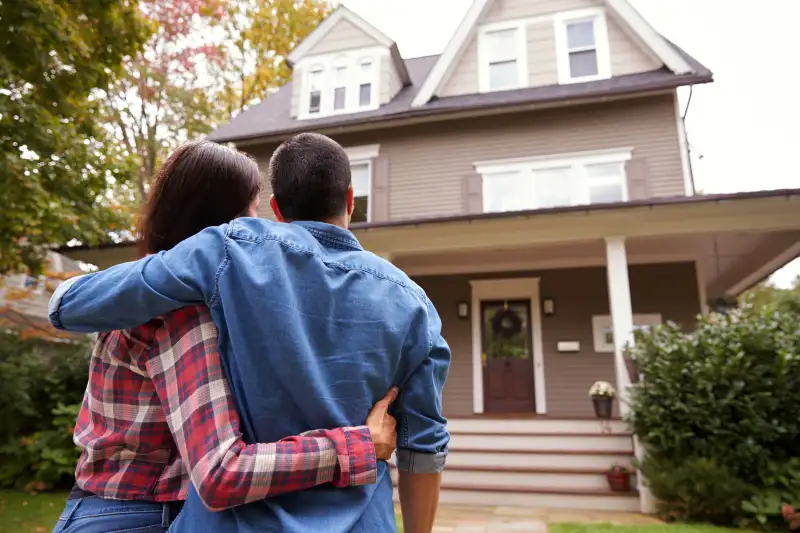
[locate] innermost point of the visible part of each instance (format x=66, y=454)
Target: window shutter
x=636, y=172
x=380, y=189
x=473, y=194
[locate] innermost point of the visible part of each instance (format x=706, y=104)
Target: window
x=502, y=59
x=339, y=88
x=315, y=90
x=543, y=183
x=603, y=330
x=361, y=175
x=365, y=84
x=582, y=46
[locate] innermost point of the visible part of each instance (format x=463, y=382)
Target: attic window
x=340, y=88
x=339, y=83
x=315, y=90
x=582, y=46
x=503, y=58
x=365, y=84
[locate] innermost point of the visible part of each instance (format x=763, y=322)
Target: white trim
x=774, y=264
x=341, y=13
x=688, y=186
x=591, y=157
x=602, y=323
x=521, y=55
x=358, y=153
x=702, y=294
x=452, y=52
x=619, y=300
x=650, y=37
x=525, y=21
x=499, y=289
x=601, y=45
x=370, y=170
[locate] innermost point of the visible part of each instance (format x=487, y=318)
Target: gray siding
x=627, y=57
x=390, y=83
x=568, y=376
x=343, y=36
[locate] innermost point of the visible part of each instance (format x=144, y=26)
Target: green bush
x=43, y=386
x=724, y=402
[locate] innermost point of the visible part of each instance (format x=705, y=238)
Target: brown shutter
x=473, y=194
x=638, y=187
x=380, y=189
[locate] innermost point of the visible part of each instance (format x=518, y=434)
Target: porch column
x=619, y=299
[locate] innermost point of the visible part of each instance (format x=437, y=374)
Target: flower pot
x=619, y=481
x=603, y=406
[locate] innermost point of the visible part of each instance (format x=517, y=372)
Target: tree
x=162, y=98
x=259, y=34
x=767, y=294
x=55, y=164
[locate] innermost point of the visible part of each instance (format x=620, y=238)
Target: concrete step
x=580, y=460
x=535, y=425
x=616, y=442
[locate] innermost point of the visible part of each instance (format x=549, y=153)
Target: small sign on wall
x=568, y=346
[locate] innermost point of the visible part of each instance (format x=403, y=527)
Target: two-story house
x=535, y=180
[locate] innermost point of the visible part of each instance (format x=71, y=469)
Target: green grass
x=608, y=528
x=30, y=513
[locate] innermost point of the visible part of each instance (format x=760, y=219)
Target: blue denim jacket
x=313, y=331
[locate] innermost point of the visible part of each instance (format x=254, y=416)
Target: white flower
x=602, y=389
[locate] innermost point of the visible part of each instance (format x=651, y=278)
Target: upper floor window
x=315, y=78
x=502, y=58
x=545, y=183
x=339, y=83
x=582, y=46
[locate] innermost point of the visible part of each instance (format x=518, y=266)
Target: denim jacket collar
x=331, y=236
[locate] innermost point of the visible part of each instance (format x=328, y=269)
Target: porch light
x=463, y=310
x=548, y=306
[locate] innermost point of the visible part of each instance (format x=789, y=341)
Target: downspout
x=686, y=139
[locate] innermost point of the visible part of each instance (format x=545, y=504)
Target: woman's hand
x=382, y=426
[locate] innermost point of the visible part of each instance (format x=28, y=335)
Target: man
x=313, y=331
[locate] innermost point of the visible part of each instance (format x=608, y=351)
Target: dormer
x=345, y=66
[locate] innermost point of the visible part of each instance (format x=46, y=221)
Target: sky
x=744, y=128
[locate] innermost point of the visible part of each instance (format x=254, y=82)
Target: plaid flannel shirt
x=158, y=412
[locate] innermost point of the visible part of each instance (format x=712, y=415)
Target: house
x=535, y=180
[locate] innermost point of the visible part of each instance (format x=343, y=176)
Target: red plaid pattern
x=158, y=412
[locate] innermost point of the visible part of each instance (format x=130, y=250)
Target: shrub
x=43, y=386
x=722, y=401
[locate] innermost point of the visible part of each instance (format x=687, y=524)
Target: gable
x=533, y=34
x=344, y=35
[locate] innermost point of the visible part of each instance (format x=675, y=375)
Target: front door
x=508, y=385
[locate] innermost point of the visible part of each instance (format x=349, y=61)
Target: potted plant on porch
x=619, y=478
x=602, y=394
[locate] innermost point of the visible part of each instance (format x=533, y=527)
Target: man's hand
x=382, y=426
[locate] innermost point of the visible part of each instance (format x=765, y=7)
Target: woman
x=158, y=412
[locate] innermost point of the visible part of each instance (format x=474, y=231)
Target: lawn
x=607, y=528
x=29, y=513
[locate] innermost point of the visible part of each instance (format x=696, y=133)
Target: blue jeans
x=96, y=515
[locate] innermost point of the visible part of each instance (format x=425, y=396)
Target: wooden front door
x=507, y=354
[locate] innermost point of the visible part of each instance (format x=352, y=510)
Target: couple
x=311, y=331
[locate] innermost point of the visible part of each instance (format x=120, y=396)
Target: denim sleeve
x=422, y=430
x=130, y=294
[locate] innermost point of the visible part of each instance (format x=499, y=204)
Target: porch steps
x=544, y=463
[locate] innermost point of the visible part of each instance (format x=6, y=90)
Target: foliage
x=655, y=528
x=716, y=410
x=56, y=164
x=43, y=386
x=768, y=294
x=22, y=512
x=259, y=34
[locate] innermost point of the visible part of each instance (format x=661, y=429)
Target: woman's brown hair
x=202, y=184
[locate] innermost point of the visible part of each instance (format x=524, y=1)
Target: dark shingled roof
x=271, y=116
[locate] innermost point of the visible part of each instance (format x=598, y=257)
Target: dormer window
x=365, y=83
x=502, y=56
x=315, y=78
x=582, y=46
x=339, y=83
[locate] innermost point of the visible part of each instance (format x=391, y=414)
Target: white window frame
x=522, y=55
x=602, y=324
x=307, y=92
x=575, y=161
x=359, y=155
x=328, y=63
x=598, y=17
x=361, y=80
x=341, y=62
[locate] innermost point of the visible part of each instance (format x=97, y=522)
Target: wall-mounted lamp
x=548, y=306
x=463, y=310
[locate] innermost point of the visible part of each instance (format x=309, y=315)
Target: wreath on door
x=506, y=323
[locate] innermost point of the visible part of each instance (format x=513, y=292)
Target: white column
x=619, y=298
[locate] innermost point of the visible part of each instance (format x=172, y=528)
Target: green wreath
x=506, y=323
